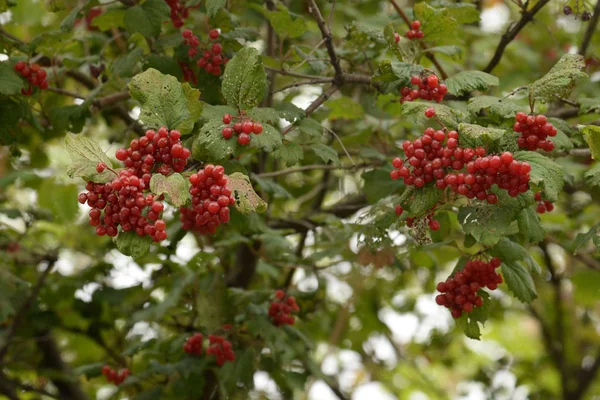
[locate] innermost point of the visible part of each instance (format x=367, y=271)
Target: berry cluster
x=124, y=203
x=162, y=147
x=543, y=205
x=113, y=376
x=179, y=12
x=534, y=130
x=243, y=128
x=34, y=74
x=415, y=31
x=221, y=348
x=427, y=88
x=585, y=16
x=211, y=199
x=428, y=218
x=429, y=159
x=459, y=293
x=212, y=58
x=193, y=345
x=281, y=309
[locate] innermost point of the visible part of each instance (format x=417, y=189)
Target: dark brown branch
x=591, y=28
x=321, y=99
x=7, y=388
x=302, y=83
x=326, y=33
x=20, y=315
x=290, y=73
x=245, y=265
x=510, y=34
x=430, y=56
x=586, y=378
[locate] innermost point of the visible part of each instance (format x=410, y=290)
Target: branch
x=430, y=56
x=326, y=33
x=586, y=378
x=510, y=34
x=101, y=102
x=302, y=83
x=591, y=28
x=290, y=73
x=12, y=330
x=312, y=167
x=321, y=99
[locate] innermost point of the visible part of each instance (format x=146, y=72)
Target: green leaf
x=583, y=238
x=212, y=303
x=448, y=116
x=418, y=201
x=589, y=105
x=405, y=50
x=11, y=294
x=437, y=24
x=166, y=65
x=61, y=200
x=475, y=135
x=165, y=101
x=264, y=115
x=246, y=199
x=245, y=80
x=269, y=140
x=210, y=143
x=113, y=18
x=86, y=154
x=469, y=322
x=468, y=81
x=130, y=244
x=488, y=223
x=517, y=266
x=591, y=134
x=271, y=187
x=10, y=82
x=497, y=106
x=11, y=111
x=290, y=153
x=282, y=21
x=344, y=108
x=214, y=6
x=325, y=153
x=378, y=184
x=560, y=80
x=392, y=76
x=592, y=176
x=175, y=186
x=451, y=51
x=158, y=311
x=530, y=226
x=586, y=287
x=124, y=66
x=147, y=19
x=69, y=22
x=544, y=173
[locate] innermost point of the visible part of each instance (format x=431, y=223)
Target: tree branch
x=326, y=33
x=510, y=34
x=12, y=330
x=302, y=83
x=430, y=56
x=586, y=378
x=321, y=99
x=312, y=167
x=591, y=28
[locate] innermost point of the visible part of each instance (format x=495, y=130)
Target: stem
x=591, y=28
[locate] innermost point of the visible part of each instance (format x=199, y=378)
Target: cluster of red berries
x=34, y=74
x=221, y=348
x=543, y=205
x=113, y=376
x=459, y=293
x=212, y=58
x=534, y=130
x=415, y=31
x=162, y=147
x=211, y=199
x=179, y=12
x=124, y=203
x=243, y=128
x=193, y=345
x=281, y=309
x=427, y=88
x=429, y=159
x=431, y=223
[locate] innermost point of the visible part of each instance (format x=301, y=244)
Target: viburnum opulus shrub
x=282, y=180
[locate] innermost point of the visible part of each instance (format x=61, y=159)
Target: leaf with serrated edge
x=174, y=186
x=530, y=226
x=244, y=80
x=544, y=172
x=502, y=107
x=591, y=134
x=560, y=80
x=467, y=81
x=86, y=154
x=246, y=199
x=130, y=244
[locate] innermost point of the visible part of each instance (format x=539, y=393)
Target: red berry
x=416, y=25
x=430, y=112
x=243, y=139
x=213, y=34
x=257, y=128
x=227, y=133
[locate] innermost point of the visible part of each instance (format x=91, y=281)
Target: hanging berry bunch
x=127, y=201
x=221, y=348
x=534, y=130
x=193, y=345
x=34, y=74
x=543, y=205
x=212, y=59
x=243, y=127
x=459, y=292
x=585, y=15
x=424, y=87
x=211, y=199
x=179, y=12
x=436, y=157
x=415, y=31
x=281, y=309
x=113, y=376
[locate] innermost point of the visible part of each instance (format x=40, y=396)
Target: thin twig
x=591, y=28
x=514, y=91
x=309, y=54
x=302, y=83
x=569, y=102
x=326, y=33
x=290, y=73
x=312, y=167
x=341, y=143
x=512, y=33
x=321, y=99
